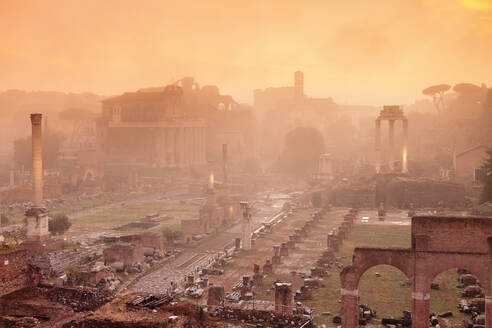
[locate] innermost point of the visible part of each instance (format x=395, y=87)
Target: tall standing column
x=224, y=163
x=391, y=148
x=182, y=147
x=172, y=146
x=36, y=216
x=195, y=145
x=246, y=226
x=378, y=146
x=185, y=146
x=37, y=160
x=199, y=145
x=204, y=144
x=404, y=151
x=161, y=135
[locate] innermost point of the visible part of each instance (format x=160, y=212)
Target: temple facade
x=151, y=128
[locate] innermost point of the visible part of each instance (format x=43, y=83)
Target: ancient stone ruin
x=438, y=244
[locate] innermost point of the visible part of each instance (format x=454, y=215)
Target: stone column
x=36, y=216
x=174, y=146
x=196, y=143
x=404, y=151
x=200, y=145
x=163, y=148
x=283, y=298
x=204, y=144
x=246, y=227
x=378, y=146
x=192, y=145
x=182, y=147
x=37, y=160
x=185, y=146
x=169, y=146
x=391, y=147
x=224, y=162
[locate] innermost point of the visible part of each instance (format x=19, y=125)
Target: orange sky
x=357, y=51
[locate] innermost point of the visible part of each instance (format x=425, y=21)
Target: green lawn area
x=74, y=205
x=115, y=217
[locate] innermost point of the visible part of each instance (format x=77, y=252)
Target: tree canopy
x=301, y=151
x=23, y=150
x=59, y=224
x=76, y=114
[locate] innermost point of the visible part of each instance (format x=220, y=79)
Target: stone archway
x=363, y=260
x=438, y=244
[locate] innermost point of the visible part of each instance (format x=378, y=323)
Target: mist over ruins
x=246, y=164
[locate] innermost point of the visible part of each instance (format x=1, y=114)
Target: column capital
x=36, y=118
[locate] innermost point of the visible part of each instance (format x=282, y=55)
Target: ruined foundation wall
x=55, y=263
x=15, y=271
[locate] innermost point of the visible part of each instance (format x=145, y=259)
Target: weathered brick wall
x=454, y=234
x=153, y=240
x=129, y=254
x=14, y=271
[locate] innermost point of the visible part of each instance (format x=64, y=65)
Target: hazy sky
x=357, y=51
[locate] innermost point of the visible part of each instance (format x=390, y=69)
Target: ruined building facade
x=151, y=129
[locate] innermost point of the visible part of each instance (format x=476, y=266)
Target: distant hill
x=17, y=102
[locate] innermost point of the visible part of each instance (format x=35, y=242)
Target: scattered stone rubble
x=263, y=318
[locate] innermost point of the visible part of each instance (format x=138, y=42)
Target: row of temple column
x=181, y=146
x=391, y=146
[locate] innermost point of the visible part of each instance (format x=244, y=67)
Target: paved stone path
x=160, y=280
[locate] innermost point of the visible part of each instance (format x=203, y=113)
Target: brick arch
x=363, y=260
x=366, y=258
x=438, y=244
x=475, y=263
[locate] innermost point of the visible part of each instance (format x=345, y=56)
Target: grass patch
x=115, y=217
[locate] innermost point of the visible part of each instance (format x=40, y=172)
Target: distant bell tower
x=299, y=84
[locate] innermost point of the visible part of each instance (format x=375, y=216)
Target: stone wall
x=54, y=263
x=127, y=253
x=452, y=234
x=16, y=272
